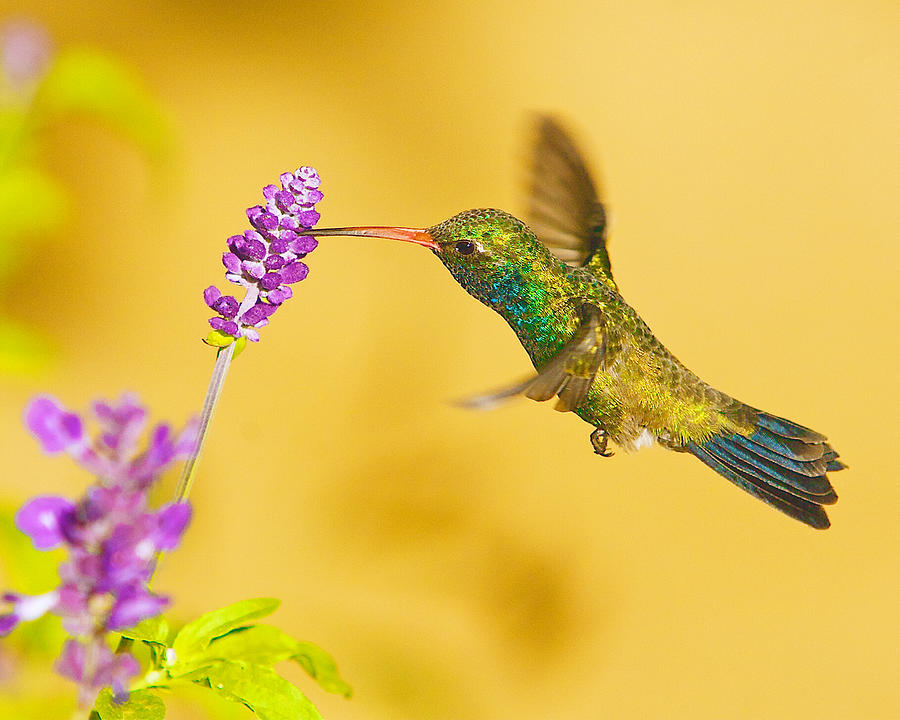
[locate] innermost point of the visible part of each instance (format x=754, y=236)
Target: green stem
x=186, y=479
x=216, y=383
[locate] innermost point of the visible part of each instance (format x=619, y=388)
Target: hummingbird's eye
x=465, y=247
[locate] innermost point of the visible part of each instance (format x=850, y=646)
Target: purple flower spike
x=111, y=534
x=41, y=519
x=264, y=260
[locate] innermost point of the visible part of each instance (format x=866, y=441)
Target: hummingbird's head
x=491, y=254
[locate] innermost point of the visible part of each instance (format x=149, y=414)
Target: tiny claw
x=600, y=439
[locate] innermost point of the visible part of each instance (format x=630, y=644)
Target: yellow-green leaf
x=322, y=668
x=260, y=688
x=219, y=339
x=152, y=630
x=196, y=635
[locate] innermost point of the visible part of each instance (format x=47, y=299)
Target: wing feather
x=565, y=211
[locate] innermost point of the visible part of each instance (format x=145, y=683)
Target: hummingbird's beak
x=413, y=235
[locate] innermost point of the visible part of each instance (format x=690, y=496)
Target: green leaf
x=264, y=691
x=259, y=645
x=153, y=630
x=219, y=339
x=196, y=635
x=86, y=81
x=322, y=668
x=141, y=705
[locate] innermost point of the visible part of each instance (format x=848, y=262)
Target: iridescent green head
x=492, y=255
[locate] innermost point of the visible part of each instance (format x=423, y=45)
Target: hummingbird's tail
x=782, y=463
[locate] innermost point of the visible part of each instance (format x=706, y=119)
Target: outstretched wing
x=564, y=210
x=568, y=375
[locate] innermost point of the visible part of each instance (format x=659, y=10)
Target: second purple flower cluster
x=266, y=260
x=111, y=534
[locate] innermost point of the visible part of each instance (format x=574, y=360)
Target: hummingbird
x=551, y=280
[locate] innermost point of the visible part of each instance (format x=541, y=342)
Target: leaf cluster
x=228, y=653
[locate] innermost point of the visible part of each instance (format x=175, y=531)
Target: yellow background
x=482, y=566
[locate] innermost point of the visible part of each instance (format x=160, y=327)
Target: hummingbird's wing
x=564, y=210
x=569, y=374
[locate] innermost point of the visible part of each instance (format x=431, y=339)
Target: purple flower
x=266, y=259
x=111, y=534
x=42, y=519
x=26, y=608
x=107, y=669
x=26, y=52
x=54, y=428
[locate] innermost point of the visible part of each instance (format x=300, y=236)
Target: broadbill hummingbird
x=552, y=282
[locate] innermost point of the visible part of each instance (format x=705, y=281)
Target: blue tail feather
x=815, y=489
x=798, y=508
x=804, y=467
x=782, y=463
x=789, y=429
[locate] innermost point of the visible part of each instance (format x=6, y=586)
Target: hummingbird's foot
x=599, y=439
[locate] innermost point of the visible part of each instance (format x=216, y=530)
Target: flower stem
x=216, y=383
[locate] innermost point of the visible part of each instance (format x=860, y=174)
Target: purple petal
x=27, y=51
x=269, y=191
x=273, y=262
x=211, y=294
x=289, y=223
x=124, y=421
x=133, y=605
x=227, y=306
x=123, y=667
x=160, y=453
x=308, y=197
x=284, y=200
x=26, y=608
x=187, y=440
x=308, y=218
x=295, y=272
x=309, y=176
x=278, y=245
x=54, y=428
x=41, y=519
x=8, y=623
x=253, y=269
x=257, y=313
x=249, y=248
x=263, y=220
x=172, y=523
x=279, y=295
x=304, y=245
x=71, y=660
x=231, y=262
x=270, y=281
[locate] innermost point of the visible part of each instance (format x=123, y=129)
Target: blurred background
x=489, y=566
